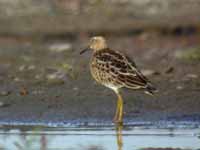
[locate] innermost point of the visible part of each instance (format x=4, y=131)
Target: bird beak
x=84, y=50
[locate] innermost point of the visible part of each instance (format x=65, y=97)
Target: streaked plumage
x=115, y=70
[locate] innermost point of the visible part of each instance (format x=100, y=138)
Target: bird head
x=96, y=43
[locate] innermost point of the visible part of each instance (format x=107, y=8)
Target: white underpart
x=114, y=88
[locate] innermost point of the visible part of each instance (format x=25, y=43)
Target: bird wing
x=122, y=69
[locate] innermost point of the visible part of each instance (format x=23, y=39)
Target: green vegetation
x=191, y=54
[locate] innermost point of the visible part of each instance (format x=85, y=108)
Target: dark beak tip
x=84, y=50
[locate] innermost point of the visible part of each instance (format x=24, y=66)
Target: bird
x=115, y=70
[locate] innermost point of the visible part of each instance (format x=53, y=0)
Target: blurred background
x=43, y=77
x=44, y=81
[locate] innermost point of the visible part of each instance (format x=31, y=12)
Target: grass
x=192, y=54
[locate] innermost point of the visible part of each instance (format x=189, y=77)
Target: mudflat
x=47, y=80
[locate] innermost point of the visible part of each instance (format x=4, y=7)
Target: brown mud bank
x=47, y=80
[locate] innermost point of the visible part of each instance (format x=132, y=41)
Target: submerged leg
x=119, y=136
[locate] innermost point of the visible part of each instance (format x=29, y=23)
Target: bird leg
x=120, y=118
x=119, y=111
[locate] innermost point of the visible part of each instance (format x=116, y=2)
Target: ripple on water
x=97, y=138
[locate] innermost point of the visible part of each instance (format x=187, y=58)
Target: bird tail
x=150, y=89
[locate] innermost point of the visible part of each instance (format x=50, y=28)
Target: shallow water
x=97, y=138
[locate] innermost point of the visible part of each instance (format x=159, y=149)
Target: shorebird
x=115, y=70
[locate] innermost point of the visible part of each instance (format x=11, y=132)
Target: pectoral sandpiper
x=115, y=70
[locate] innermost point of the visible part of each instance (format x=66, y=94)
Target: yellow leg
x=120, y=116
x=120, y=119
x=119, y=110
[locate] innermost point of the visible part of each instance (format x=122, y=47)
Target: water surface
x=97, y=138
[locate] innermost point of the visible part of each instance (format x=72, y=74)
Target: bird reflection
x=119, y=137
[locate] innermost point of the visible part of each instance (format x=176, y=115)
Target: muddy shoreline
x=40, y=83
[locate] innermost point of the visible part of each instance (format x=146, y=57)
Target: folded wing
x=124, y=71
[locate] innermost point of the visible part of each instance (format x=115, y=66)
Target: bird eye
x=93, y=40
